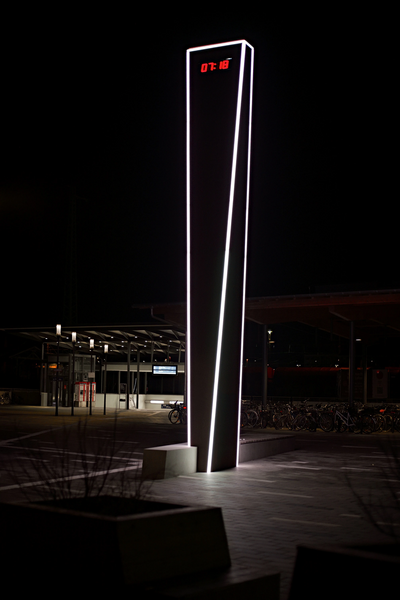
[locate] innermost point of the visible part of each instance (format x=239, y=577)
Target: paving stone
x=266, y=510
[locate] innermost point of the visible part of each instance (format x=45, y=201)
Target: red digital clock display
x=222, y=65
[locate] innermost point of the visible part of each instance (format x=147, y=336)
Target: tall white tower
x=219, y=113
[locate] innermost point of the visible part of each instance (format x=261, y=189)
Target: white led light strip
x=245, y=251
x=188, y=282
x=226, y=262
x=219, y=45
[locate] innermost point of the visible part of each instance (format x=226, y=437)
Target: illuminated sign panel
x=164, y=370
x=219, y=98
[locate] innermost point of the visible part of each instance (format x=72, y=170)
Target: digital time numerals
x=222, y=65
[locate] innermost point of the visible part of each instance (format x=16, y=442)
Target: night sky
x=93, y=105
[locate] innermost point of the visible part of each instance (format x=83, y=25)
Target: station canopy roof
x=375, y=313
x=163, y=340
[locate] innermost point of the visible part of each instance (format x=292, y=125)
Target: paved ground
x=270, y=506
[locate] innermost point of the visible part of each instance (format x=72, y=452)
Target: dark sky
x=94, y=104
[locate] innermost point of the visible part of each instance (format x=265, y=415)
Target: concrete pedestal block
x=266, y=446
x=163, y=462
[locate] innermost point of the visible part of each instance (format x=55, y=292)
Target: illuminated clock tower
x=219, y=108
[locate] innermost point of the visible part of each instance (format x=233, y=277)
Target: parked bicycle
x=178, y=414
x=330, y=417
x=252, y=415
x=343, y=419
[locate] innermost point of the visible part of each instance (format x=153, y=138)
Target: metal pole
x=137, y=378
x=58, y=374
x=46, y=374
x=42, y=374
x=105, y=376
x=73, y=379
x=128, y=375
x=365, y=373
x=265, y=367
x=91, y=381
x=351, y=365
x=105, y=382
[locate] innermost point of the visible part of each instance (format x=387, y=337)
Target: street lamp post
x=73, y=338
x=105, y=375
x=128, y=375
x=266, y=342
x=58, y=334
x=91, y=376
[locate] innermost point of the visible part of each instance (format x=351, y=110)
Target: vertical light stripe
x=245, y=250
x=226, y=261
x=188, y=282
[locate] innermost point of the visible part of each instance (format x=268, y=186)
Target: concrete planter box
x=333, y=572
x=109, y=542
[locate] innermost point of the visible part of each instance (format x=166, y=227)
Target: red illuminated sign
x=222, y=65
